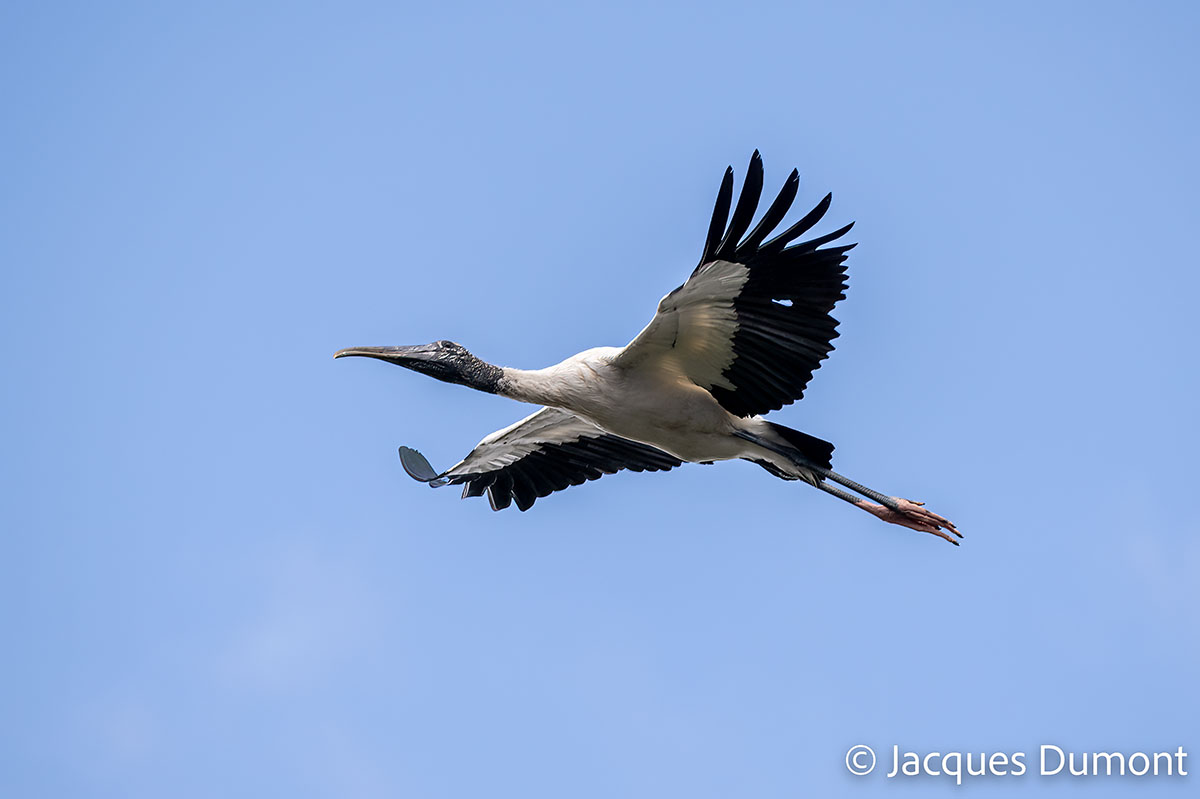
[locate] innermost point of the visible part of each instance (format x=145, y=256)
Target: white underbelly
x=682, y=419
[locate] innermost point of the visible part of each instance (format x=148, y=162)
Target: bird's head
x=443, y=360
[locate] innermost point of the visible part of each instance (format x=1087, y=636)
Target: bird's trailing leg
x=894, y=510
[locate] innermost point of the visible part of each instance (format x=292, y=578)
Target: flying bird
x=740, y=338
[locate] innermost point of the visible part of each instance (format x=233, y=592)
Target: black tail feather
x=817, y=450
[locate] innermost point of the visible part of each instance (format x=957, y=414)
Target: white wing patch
x=694, y=326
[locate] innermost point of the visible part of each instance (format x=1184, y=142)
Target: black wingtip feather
x=774, y=215
x=743, y=214
x=813, y=244
x=799, y=229
x=720, y=216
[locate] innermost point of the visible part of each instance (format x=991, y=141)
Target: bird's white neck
x=537, y=386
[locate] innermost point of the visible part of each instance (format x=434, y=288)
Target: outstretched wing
x=543, y=453
x=753, y=322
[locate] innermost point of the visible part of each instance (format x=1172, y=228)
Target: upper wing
x=752, y=322
x=541, y=454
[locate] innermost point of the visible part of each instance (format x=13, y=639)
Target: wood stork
x=741, y=337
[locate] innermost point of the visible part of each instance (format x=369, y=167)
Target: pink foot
x=914, y=516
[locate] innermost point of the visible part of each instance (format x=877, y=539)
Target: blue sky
x=218, y=580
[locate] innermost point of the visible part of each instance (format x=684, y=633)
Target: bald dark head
x=442, y=360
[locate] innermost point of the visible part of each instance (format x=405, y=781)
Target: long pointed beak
x=401, y=356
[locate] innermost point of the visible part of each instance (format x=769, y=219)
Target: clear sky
x=218, y=581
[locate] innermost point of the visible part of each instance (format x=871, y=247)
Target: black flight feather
x=774, y=214
x=720, y=216
x=743, y=214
